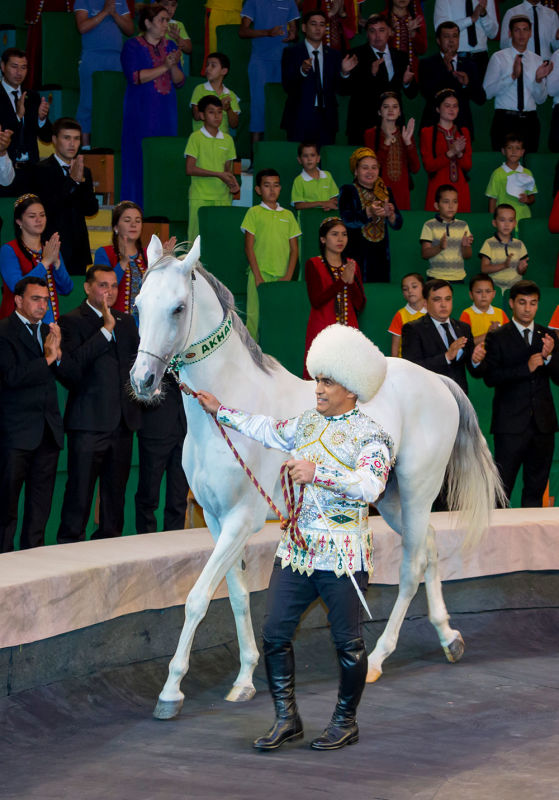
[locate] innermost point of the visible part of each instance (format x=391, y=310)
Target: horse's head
x=165, y=307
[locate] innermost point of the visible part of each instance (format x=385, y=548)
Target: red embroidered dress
x=442, y=169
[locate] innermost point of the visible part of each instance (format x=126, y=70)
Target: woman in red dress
x=333, y=282
x=409, y=30
x=394, y=145
x=446, y=151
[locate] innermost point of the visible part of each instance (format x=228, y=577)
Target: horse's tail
x=472, y=480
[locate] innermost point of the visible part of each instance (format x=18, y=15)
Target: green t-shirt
x=182, y=33
x=272, y=230
x=206, y=88
x=497, y=188
x=311, y=190
x=212, y=153
x=447, y=265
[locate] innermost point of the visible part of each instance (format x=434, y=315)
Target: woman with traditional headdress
x=367, y=207
x=409, y=30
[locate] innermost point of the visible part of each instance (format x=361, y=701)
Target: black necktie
x=16, y=98
x=520, y=87
x=383, y=69
x=33, y=329
x=536, y=33
x=526, y=333
x=66, y=169
x=319, y=91
x=446, y=328
x=472, y=33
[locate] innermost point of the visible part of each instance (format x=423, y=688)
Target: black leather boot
x=280, y=668
x=343, y=729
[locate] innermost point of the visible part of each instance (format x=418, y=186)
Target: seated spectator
x=502, y=256
x=176, y=32
x=65, y=187
x=394, y=145
x=368, y=208
x=481, y=316
x=446, y=151
x=7, y=172
x=545, y=27
x=409, y=30
x=445, y=240
x=412, y=289
x=450, y=69
x=477, y=22
x=217, y=67
x=512, y=183
x=333, y=282
x=101, y=26
x=314, y=187
x=209, y=157
x=30, y=253
x=272, y=249
x=516, y=78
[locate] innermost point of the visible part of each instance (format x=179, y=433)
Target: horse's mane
x=227, y=302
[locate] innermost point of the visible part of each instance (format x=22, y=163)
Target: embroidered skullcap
x=349, y=358
x=357, y=155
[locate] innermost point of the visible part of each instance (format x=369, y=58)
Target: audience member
x=450, y=69
x=31, y=432
x=334, y=284
x=373, y=69
x=482, y=316
x=100, y=414
x=545, y=27
x=512, y=183
x=7, y=172
x=101, y=24
x=217, y=67
x=150, y=63
x=176, y=32
x=219, y=12
x=409, y=30
x=446, y=151
x=368, y=208
x=412, y=289
x=65, y=187
x=440, y=343
x=477, y=22
x=273, y=26
x=521, y=359
x=516, y=78
x=31, y=254
x=503, y=256
x=394, y=145
x=342, y=20
x=445, y=240
x=314, y=187
x=209, y=157
x=271, y=244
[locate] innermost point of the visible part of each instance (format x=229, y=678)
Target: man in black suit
x=450, y=70
x=100, y=415
x=521, y=358
x=370, y=70
x=31, y=431
x=25, y=114
x=440, y=343
x=311, y=76
x=65, y=187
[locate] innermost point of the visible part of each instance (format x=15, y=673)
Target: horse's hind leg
x=239, y=596
x=451, y=640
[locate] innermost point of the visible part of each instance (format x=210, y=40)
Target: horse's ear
x=192, y=256
x=155, y=249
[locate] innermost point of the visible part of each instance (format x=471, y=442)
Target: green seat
x=275, y=102
x=192, y=14
x=220, y=234
x=542, y=165
x=108, y=101
x=283, y=336
x=165, y=180
x=335, y=159
x=60, y=63
x=483, y=165
x=239, y=51
x=383, y=301
x=7, y=217
x=310, y=220
x=184, y=110
x=281, y=156
x=542, y=248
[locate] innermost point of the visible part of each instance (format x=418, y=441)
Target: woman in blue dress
x=151, y=65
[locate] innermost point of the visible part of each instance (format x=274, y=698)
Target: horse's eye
x=179, y=309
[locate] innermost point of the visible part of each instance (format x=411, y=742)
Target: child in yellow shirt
x=412, y=289
x=481, y=316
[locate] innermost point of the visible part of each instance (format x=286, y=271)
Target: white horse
x=184, y=309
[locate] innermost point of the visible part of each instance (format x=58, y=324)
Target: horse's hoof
x=373, y=674
x=240, y=694
x=167, y=709
x=455, y=650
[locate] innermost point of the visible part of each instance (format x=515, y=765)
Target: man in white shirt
x=477, y=22
x=516, y=78
x=545, y=27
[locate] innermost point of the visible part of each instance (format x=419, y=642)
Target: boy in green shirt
x=176, y=31
x=313, y=188
x=511, y=182
x=217, y=67
x=209, y=159
x=271, y=242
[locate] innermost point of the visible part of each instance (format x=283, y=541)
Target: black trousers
x=526, y=125
x=92, y=455
x=159, y=456
x=290, y=594
x=37, y=470
x=531, y=450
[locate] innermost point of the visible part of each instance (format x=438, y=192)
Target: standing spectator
x=477, y=21
x=342, y=17
x=503, y=256
x=30, y=253
x=273, y=26
x=333, y=282
x=31, y=432
x=177, y=32
x=445, y=240
x=65, y=187
x=373, y=68
x=219, y=12
x=446, y=151
x=409, y=30
x=367, y=207
x=482, y=316
x=511, y=182
x=412, y=289
x=516, y=78
x=217, y=67
x=522, y=357
x=7, y=172
x=150, y=63
x=314, y=187
x=450, y=69
x=101, y=24
x=394, y=145
x=545, y=27
x=100, y=415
